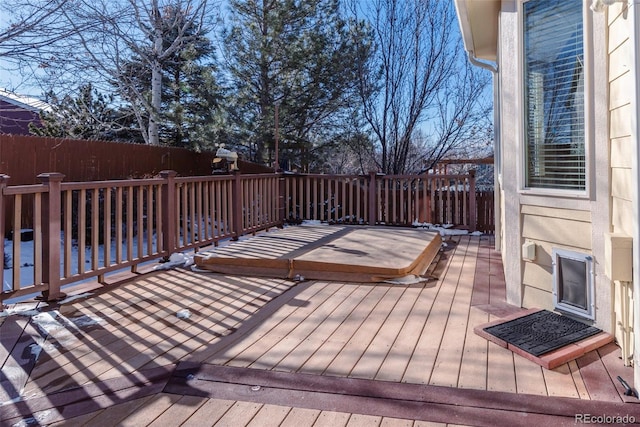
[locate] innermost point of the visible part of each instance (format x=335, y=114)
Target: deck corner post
x=473, y=215
x=169, y=216
x=51, y=228
x=373, y=203
x=236, y=205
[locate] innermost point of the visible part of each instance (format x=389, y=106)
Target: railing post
x=169, y=219
x=473, y=216
x=373, y=203
x=236, y=206
x=51, y=227
x=282, y=208
x=3, y=183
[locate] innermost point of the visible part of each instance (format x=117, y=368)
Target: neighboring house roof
x=17, y=111
x=479, y=26
x=24, y=102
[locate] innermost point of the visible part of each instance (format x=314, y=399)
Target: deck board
x=298, y=417
x=473, y=369
x=355, y=348
x=529, y=377
x=501, y=374
x=420, y=368
x=399, y=334
x=446, y=369
x=370, y=366
x=208, y=413
x=326, y=313
x=256, y=346
x=399, y=356
x=312, y=343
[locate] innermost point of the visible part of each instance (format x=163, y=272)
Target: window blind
x=554, y=95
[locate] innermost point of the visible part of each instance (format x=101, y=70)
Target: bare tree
x=30, y=34
x=68, y=43
x=151, y=31
x=417, y=80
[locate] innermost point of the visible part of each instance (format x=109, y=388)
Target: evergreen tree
x=90, y=115
x=189, y=114
x=298, y=54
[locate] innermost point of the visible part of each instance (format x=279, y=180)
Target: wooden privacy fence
x=88, y=229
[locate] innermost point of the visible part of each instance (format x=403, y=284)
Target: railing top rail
x=382, y=176
x=114, y=183
x=226, y=177
x=25, y=189
x=323, y=175
x=427, y=176
x=182, y=179
x=261, y=175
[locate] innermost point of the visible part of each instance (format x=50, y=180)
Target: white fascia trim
x=465, y=25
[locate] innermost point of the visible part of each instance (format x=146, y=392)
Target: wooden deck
x=186, y=348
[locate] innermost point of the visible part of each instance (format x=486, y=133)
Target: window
x=554, y=95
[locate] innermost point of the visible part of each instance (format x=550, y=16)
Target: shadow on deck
x=180, y=347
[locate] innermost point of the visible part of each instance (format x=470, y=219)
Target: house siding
x=15, y=119
x=550, y=228
x=554, y=221
x=619, y=124
x=620, y=59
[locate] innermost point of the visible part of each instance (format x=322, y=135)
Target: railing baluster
x=82, y=229
x=149, y=218
x=95, y=224
x=119, y=223
x=38, y=241
x=17, y=226
x=106, y=231
x=4, y=179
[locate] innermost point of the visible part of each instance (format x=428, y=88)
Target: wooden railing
x=83, y=230
x=88, y=229
x=383, y=199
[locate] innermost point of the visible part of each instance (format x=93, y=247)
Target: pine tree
x=190, y=94
x=91, y=115
x=298, y=54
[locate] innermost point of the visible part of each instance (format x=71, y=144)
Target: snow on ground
x=445, y=229
x=177, y=259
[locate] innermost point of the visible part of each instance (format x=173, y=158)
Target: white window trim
x=588, y=111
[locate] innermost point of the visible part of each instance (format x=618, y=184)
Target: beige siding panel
x=621, y=183
x=619, y=61
x=618, y=32
x=615, y=14
x=538, y=276
x=619, y=94
x=545, y=249
x=543, y=253
x=536, y=298
x=622, y=216
x=557, y=213
x=557, y=230
x=621, y=152
x=620, y=125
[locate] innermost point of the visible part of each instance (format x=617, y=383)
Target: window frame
x=523, y=186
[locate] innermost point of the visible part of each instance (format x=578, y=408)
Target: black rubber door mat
x=541, y=332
